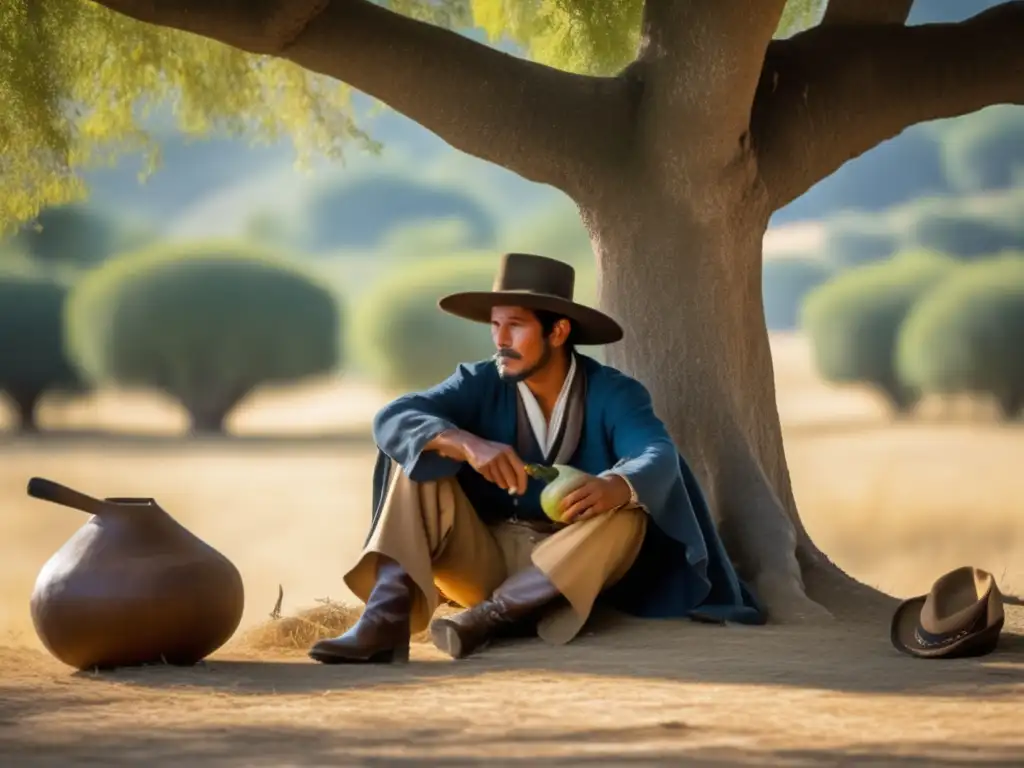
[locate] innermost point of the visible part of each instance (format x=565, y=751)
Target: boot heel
x=446, y=638
x=396, y=655
x=399, y=655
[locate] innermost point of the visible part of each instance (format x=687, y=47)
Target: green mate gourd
x=561, y=480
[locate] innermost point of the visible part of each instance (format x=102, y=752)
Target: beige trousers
x=433, y=532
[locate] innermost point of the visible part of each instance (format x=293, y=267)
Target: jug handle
x=48, y=490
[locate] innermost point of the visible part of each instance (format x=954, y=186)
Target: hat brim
x=903, y=635
x=592, y=326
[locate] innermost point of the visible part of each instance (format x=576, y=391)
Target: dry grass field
x=896, y=505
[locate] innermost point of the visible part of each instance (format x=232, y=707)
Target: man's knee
x=622, y=525
x=631, y=522
x=400, y=478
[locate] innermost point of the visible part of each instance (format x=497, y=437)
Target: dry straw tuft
x=299, y=632
x=291, y=633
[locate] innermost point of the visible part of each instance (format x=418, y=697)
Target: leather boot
x=518, y=598
x=381, y=636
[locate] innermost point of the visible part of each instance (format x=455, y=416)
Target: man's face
x=522, y=347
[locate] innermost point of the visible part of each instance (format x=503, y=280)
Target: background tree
x=786, y=282
x=555, y=230
x=988, y=152
x=78, y=235
x=968, y=234
x=32, y=354
x=854, y=321
x=205, y=325
x=967, y=336
x=358, y=213
x=852, y=240
x=270, y=229
x=707, y=126
x=402, y=339
x=437, y=237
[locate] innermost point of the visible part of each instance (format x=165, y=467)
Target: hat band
x=928, y=640
x=530, y=291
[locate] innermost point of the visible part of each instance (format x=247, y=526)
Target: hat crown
x=535, y=274
x=956, y=600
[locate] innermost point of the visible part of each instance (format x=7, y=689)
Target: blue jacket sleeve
x=404, y=426
x=645, y=453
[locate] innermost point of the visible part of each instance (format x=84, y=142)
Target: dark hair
x=547, y=320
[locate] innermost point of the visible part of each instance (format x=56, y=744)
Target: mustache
x=506, y=353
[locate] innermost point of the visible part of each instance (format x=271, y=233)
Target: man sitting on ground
x=455, y=513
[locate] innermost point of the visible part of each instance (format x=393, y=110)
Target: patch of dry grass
x=299, y=632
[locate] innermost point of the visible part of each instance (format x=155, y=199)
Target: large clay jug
x=132, y=586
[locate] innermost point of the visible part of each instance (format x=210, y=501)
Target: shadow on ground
x=667, y=743
x=339, y=731
x=837, y=658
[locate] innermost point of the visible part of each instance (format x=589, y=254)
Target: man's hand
x=595, y=496
x=497, y=462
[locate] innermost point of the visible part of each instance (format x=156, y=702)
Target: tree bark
x=829, y=94
x=691, y=54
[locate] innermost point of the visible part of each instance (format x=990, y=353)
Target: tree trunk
x=207, y=423
x=685, y=282
x=208, y=417
x=25, y=404
x=900, y=399
x=208, y=407
x=1011, y=405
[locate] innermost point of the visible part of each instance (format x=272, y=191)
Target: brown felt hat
x=961, y=616
x=535, y=282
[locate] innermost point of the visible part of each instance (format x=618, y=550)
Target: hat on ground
x=535, y=282
x=961, y=616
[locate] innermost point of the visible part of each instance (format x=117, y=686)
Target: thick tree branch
x=700, y=61
x=866, y=12
x=545, y=124
x=830, y=94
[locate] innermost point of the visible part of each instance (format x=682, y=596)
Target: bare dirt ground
x=896, y=505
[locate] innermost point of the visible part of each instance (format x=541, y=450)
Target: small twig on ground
x=1009, y=599
x=276, y=613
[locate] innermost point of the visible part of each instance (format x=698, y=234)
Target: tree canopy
x=206, y=324
x=81, y=85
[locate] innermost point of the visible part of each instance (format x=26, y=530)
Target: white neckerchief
x=544, y=433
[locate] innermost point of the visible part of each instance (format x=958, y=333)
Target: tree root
x=848, y=600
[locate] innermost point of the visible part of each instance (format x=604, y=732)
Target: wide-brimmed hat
x=961, y=616
x=535, y=282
